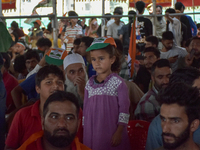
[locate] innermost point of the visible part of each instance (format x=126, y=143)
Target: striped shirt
x=72, y=33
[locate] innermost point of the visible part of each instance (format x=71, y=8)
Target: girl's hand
x=116, y=138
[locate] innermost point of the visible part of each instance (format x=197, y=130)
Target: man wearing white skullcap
x=75, y=74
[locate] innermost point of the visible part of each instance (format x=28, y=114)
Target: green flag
x=5, y=38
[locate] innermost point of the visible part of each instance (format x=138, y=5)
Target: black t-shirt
x=196, y=63
x=145, y=26
x=143, y=77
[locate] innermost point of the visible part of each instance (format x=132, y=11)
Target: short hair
x=179, y=5
x=195, y=38
x=131, y=12
x=198, y=25
x=14, y=24
x=154, y=50
x=186, y=75
x=19, y=64
x=61, y=96
x=167, y=35
x=45, y=71
x=43, y=42
x=159, y=7
x=152, y=39
x=108, y=14
x=72, y=13
x=87, y=40
x=140, y=5
x=160, y=64
x=183, y=95
x=31, y=54
x=5, y=56
x=170, y=10
x=77, y=41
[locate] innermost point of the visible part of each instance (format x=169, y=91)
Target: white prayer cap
x=73, y=59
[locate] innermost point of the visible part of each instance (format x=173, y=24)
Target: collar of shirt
x=155, y=90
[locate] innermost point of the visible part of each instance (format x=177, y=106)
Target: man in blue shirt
x=191, y=77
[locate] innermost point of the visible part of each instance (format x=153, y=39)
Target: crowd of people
x=81, y=95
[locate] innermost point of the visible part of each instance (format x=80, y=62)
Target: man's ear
x=37, y=88
x=194, y=125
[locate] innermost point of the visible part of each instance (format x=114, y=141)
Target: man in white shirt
x=173, y=53
x=174, y=26
x=114, y=28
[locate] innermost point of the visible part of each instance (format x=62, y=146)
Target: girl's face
x=101, y=61
x=19, y=48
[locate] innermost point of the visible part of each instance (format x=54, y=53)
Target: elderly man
x=60, y=122
x=76, y=76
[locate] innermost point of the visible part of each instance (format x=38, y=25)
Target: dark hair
x=31, y=54
x=195, y=38
x=16, y=37
x=87, y=40
x=152, y=39
x=43, y=42
x=140, y=5
x=170, y=10
x=5, y=56
x=167, y=35
x=72, y=13
x=45, y=71
x=118, y=10
x=153, y=50
x=111, y=50
x=131, y=12
x=186, y=75
x=198, y=25
x=77, y=41
x=14, y=24
x=160, y=64
x=159, y=7
x=119, y=46
x=179, y=5
x=183, y=95
x=19, y=64
x=61, y=96
x=108, y=14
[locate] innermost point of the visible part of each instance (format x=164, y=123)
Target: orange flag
x=132, y=46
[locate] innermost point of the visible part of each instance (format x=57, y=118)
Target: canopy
x=8, y=4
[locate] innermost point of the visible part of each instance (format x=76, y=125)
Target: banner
x=147, y=2
x=8, y=4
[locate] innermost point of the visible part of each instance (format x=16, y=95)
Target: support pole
x=154, y=17
x=54, y=24
x=103, y=20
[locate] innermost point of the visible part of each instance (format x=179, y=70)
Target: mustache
x=168, y=134
x=164, y=85
x=60, y=129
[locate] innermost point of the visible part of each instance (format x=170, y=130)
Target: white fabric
x=73, y=59
x=176, y=50
x=175, y=28
x=111, y=21
x=113, y=30
x=35, y=70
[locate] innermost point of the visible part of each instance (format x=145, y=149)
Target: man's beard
x=168, y=48
x=59, y=141
x=182, y=138
x=159, y=87
x=71, y=87
x=159, y=18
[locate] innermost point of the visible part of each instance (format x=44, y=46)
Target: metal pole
x=154, y=17
x=1, y=8
x=193, y=9
x=103, y=21
x=173, y=3
x=54, y=24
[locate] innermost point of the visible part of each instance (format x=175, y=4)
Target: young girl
x=106, y=101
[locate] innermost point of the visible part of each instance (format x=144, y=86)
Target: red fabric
x=26, y=122
x=8, y=4
x=10, y=83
